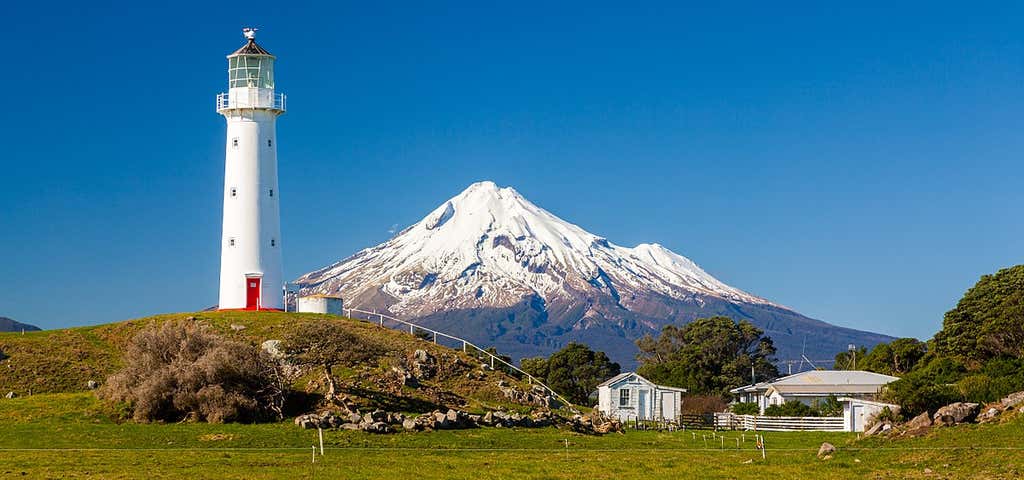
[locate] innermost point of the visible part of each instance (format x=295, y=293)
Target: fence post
x=435, y=338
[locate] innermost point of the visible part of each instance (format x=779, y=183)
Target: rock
x=236, y=327
x=927, y=471
x=273, y=349
x=424, y=365
x=307, y=421
x=376, y=427
x=351, y=426
x=954, y=413
x=922, y=420
x=876, y=428
x=488, y=419
x=826, y=450
x=355, y=417
x=411, y=425
x=10, y=395
x=989, y=415
x=1013, y=400
x=92, y=385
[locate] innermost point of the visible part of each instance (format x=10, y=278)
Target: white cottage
x=629, y=396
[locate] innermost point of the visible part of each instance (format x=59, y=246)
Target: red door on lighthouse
x=252, y=293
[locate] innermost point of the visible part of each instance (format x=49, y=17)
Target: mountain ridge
x=11, y=325
x=501, y=270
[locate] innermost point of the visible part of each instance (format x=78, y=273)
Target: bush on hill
x=326, y=344
x=978, y=356
x=182, y=370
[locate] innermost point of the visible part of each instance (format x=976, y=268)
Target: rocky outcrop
x=995, y=411
x=955, y=413
x=537, y=396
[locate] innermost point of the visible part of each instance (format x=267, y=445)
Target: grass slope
x=73, y=436
x=64, y=361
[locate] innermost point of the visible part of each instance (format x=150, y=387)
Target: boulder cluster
x=537, y=395
x=950, y=415
x=380, y=421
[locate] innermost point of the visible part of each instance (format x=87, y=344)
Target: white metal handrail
x=276, y=101
x=465, y=345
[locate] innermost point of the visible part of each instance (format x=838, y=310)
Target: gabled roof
x=250, y=48
x=757, y=387
x=831, y=382
x=835, y=377
x=626, y=375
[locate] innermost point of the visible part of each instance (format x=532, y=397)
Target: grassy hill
x=64, y=361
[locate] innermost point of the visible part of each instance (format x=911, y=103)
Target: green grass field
x=73, y=436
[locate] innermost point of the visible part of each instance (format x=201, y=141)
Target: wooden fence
x=732, y=421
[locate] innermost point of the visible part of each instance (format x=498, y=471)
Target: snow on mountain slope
x=494, y=267
x=490, y=246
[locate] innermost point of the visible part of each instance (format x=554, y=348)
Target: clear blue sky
x=861, y=164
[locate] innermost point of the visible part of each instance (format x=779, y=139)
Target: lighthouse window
x=234, y=191
x=270, y=143
x=251, y=71
x=271, y=192
x=234, y=142
x=231, y=242
x=273, y=243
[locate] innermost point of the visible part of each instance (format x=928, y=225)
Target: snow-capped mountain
x=498, y=269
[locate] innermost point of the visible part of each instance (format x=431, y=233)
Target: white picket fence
x=731, y=421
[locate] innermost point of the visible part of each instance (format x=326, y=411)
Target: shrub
x=703, y=404
x=181, y=370
x=830, y=407
x=745, y=408
x=792, y=408
x=326, y=344
x=916, y=394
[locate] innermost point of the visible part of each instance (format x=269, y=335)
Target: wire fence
x=388, y=321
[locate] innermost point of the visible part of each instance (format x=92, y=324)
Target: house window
x=234, y=142
x=623, y=398
x=231, y=242
x=234, y=192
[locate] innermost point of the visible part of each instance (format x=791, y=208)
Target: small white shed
x=629, y=396
x=320, y=304
x=858, y=413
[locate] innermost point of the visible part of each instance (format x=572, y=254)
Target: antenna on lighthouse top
x=249, y=32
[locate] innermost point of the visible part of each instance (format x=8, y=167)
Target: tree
x=988, y=322
x=707, y=356
x=897, y=358
x=851, y=360
x=326, y=344
x=574, y=371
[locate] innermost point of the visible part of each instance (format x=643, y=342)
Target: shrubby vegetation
x=183, y=371
x=574, y=371
x=792, y=408
x=745, y=408
x=978, y=356
x=707, y=356
x=326, y=344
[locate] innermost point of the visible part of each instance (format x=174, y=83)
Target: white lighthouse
x=251, y=274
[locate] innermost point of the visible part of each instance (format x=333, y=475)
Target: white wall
x=251, y=214
x=320, y=305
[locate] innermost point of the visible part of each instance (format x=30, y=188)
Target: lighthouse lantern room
x=251, y=273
